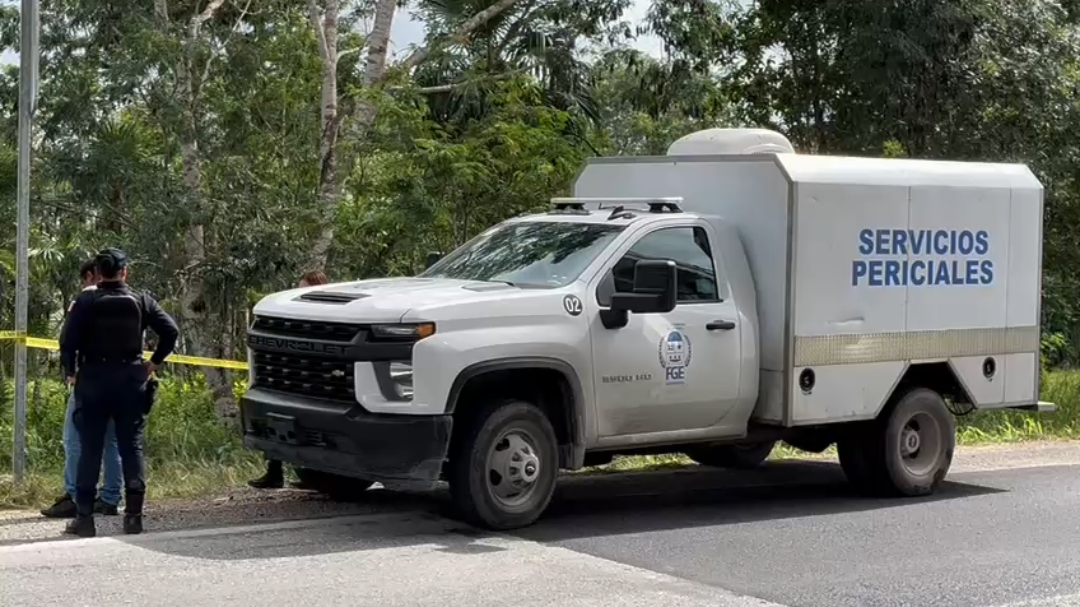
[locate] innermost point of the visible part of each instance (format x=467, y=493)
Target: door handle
x=720, y=325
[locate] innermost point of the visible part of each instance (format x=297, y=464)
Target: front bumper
x=334, y=437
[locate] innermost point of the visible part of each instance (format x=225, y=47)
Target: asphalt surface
x=790, y=534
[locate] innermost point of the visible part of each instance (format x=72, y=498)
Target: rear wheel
x=344, y=488
x=907, y=452
x=502, y=470
x=732, y=456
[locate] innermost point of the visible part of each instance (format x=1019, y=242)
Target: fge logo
x=675, y=352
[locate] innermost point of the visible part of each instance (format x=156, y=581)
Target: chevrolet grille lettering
x=292, y=345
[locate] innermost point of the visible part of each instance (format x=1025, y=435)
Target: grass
x=190, y=453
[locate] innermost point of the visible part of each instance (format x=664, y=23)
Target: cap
x=111, y=260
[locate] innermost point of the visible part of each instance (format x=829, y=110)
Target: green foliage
x=490, y=125
x=182, y=427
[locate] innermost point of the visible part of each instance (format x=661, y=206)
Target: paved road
x=790, y=535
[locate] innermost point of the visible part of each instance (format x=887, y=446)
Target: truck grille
x=309, y=329
x=305, y=376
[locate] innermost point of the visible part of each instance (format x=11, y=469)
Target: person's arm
x=71, y=334
x=163, y=326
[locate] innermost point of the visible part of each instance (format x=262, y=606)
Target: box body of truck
x=863, y=267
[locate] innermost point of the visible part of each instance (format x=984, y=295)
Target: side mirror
x=655, y=289
x=432, y=259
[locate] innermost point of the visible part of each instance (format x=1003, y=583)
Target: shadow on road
x=585, y=506
x=698, y=496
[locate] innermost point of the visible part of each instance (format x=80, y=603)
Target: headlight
x=404, y=332
x=402, y=378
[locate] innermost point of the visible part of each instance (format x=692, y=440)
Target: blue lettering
x=961, y=265
x=892, y=273
x=942, y=275
x=874, y=278
x=866, y=242
x=957, y=279
x=987, y=272
x=918, y=241
x=882, y=242
x=918, y=273
x=899, y=242
x=972, y=277
x=965, y=249
x=858, y=270
x=941, y=242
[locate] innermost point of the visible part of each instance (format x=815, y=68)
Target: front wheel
x=344, y=488
x=502, y=471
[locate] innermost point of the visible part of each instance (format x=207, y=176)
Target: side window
x=687, y=247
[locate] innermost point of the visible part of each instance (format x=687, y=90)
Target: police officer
x=101, y=350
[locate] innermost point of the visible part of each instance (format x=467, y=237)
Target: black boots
x=65, y=508
x=273, y=479
x=133, y=524
x=82, y=526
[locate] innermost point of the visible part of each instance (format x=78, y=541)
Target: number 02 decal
x=572, y=305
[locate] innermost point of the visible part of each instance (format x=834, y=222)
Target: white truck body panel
x=838, y=293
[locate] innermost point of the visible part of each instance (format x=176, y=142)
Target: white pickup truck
x=712, y=301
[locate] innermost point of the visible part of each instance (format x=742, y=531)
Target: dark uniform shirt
x=77, y=339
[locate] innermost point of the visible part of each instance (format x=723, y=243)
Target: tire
x=336, y=486
x=909, y=450
x=733, y=456
x=502, y=471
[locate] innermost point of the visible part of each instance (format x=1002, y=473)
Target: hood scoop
x=331, y=297
x=483, y=287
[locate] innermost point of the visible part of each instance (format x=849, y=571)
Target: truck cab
x=624, y=326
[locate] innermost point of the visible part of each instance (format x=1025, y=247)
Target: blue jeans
x=114, y=478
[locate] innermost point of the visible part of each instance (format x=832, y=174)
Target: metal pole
x=28, y=72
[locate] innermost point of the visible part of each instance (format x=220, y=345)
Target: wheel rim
x=513, y=468
x=920, y=444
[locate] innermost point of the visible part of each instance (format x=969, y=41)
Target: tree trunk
x=325, y=23
x=195, y=314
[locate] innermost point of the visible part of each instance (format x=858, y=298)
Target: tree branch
x=452, y=86
x=460, y=35
x=207, y=14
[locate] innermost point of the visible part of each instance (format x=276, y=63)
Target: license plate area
x=282, y=428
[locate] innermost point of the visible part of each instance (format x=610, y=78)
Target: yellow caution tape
x=180, y=359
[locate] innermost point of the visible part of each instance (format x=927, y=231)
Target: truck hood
x=378, y=300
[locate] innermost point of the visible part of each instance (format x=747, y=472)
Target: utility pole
x=28, y=84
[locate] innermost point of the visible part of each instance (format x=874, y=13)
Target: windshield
x=539, y=254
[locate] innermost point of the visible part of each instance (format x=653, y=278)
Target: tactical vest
x=114, y=326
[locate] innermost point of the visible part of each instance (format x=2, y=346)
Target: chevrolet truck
x=711, y=301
